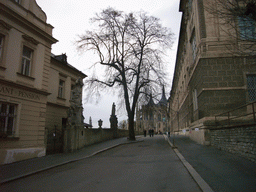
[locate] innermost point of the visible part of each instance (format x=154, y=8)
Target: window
x=195, y=103
x=150, y=115
x=1, y=45
x=247, y=28
x=190, y=6
x=7, y=118
x=61, y=89
x=164, y=118
x=17, y=1
x=193, y=44
x=26, y=61
x=159, y=117
x=72, y=93
x=251, y=86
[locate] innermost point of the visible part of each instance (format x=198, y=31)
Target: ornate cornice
x=5, y=25
x=30, y=39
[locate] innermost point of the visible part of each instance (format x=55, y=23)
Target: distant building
x=208, y=78
x=152, y=115
x=34, y=85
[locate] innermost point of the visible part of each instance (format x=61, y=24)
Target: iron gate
x=54, y=141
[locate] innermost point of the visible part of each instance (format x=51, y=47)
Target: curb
x=198, y=179
x=66, y=162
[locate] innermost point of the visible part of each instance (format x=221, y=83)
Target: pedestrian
x=145, y=132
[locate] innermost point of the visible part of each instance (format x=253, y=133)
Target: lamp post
x=100, y=123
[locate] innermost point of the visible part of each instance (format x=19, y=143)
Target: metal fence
x=242, y=115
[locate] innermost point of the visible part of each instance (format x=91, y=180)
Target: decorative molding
x=221, y=89
x=2, y=68
x=58, y=105
x=30, y=39
x=5, y=25
x=29, y=77
x=17, y=85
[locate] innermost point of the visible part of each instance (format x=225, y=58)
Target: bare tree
x=130, y=49
x=237, y=18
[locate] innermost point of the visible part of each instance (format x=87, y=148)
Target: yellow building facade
x=28, y=79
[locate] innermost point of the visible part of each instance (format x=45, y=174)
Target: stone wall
x=92, y=136
x=238, y=140
x=78, y=138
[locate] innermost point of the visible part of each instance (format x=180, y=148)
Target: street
x=147, y=166
x=222, y=170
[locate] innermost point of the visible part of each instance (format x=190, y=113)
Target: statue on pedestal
x=113, y=120
x=75, y=111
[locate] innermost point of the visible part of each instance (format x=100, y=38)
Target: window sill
x=31, y=78
x=60, y=98
x=9, y=138
x=2, y=68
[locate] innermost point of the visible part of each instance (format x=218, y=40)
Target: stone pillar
x=113, y=121
x=75, y=119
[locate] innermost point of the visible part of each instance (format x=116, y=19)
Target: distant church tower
x=153, y=116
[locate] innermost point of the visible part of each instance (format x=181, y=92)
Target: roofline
x=69, y=66
x=182, y=5
x=177, y=55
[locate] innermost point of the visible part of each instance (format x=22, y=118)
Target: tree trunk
x=131, y=127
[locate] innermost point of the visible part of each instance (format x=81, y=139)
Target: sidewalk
x=9, y=172
x=221, y=170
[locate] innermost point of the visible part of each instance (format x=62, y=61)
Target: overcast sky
x=70, y=18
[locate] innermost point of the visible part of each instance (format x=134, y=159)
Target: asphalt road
x=145, y=166
x=222, y=170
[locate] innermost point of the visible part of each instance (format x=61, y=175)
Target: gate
x=54, y=141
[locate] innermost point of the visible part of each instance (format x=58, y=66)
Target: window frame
x=24, y=58
x=61, y=89
x=4, y=43
x=193, y=44
x=195, y=100
x=6, y=115
x=2, y=40
x=71, y=91
x=251, y=91
x=246, y=28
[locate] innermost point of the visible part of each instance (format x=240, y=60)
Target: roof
x=63, y=60
x=182, y=5
x=150, y=102
x=163, y=100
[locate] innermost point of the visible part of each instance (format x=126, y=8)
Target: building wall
x=26, y=40
x=151, y=118
x=210, y=77
x=57, y=106
x=238, y=140
x=27, y=141
x=23, y=25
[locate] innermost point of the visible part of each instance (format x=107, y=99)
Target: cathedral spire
x=151, y=102
x=163, y=100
